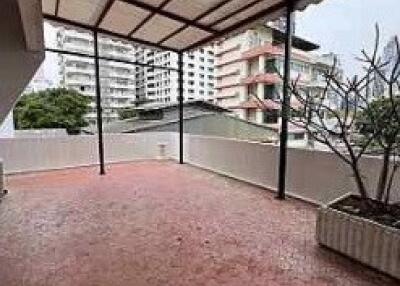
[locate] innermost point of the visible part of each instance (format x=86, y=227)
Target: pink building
x=249, y=68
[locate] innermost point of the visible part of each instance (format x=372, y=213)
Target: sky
x=346, y=27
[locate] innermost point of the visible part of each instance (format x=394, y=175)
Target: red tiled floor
x=159, y=223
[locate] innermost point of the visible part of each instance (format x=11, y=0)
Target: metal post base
x=3, y=194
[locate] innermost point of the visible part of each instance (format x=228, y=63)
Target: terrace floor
x=159, y=223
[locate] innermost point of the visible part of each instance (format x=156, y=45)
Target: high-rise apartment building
x=161, y=86
x=117, y=79
x=249, y=69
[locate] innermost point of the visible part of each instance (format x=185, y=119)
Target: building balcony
x=228, y=73
x=272, y=51
x=225, y=50
x=220, y=63
x=266, y=104
x=156, y=220
x=266, y=78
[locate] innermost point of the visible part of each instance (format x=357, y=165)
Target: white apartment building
x=161, y=86
x=117, y=79
x=246, y=71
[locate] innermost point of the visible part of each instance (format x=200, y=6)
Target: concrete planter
x=366, y=241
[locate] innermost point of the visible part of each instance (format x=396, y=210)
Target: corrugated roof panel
x=156, y=28
x=196, y=7
x=226, y=9
x=187, y=37
x=123, y=17
x=246, y=13
x=49, y=6
x=86, y=12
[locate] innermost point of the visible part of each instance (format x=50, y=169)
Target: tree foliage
x=377, y=118
x=126, y=113
x=52, y=108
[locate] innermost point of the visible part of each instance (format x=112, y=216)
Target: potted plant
x=365, y=224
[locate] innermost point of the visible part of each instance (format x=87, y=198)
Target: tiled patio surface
x=159, y=223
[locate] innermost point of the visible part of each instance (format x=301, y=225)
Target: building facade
x=161, y=85
x=117, y=79
x=249, y=74
x=390, y=58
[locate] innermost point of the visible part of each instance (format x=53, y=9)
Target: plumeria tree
x=367, y=122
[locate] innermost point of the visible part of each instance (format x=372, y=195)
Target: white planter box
x=373, y=244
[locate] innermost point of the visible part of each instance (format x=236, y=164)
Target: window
x=269, y=92
x=270, y=66
x=270, y=117
x=297, y=136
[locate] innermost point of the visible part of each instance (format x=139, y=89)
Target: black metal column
x=98, y=105
x=180, y=83
x=286, y=101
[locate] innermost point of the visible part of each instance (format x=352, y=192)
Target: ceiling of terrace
x=169, y=24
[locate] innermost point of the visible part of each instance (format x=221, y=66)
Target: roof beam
x=202, y=15
x=104, y=12
x=135, y=63
x=170, y=15
x=144, y=21
x=105, y=32
x=249, y=20
x=57, y=7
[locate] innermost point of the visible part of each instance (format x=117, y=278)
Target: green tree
x=381, y=118
x=52, y=108
x=126, y=113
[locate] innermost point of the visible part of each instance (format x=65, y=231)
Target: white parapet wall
x=315, y=176
x=41, y=153
x=312, y=175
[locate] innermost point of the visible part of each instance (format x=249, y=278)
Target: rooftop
x=161, y=223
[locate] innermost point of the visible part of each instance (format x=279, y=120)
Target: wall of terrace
x=315, y=176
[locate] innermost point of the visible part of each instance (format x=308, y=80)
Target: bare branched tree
x=366, y=122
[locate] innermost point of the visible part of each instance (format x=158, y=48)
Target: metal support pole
x=286, y=101
x=98, y=105
x=180, y=82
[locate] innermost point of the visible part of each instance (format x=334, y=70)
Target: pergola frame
x=288, y=5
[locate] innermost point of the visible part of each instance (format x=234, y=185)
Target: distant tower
x=389, y=56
